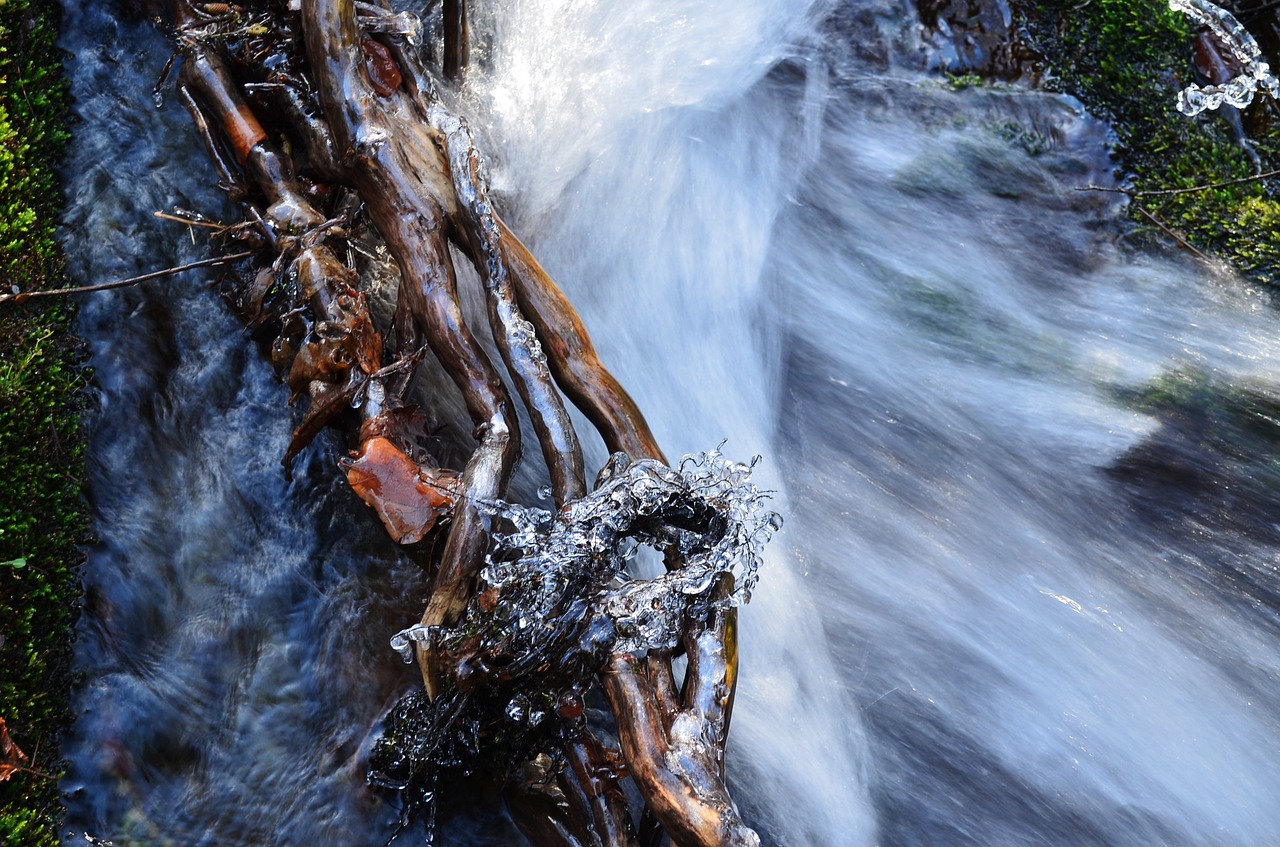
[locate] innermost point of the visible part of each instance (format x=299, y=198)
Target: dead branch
x=22, y=296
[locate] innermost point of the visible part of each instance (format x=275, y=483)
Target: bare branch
x=21, y=297
x=1129, y=192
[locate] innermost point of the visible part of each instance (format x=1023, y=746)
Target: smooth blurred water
x=1026, y=593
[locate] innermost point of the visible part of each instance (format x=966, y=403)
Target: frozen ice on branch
x=1254, y=71
x=707, y=514
x=557, y=606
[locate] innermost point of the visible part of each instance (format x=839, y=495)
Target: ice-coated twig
x=707, y=508
x=377, y=19
x=1238, y=91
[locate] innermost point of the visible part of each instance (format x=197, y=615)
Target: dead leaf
x=407, y=497
x=12, y=759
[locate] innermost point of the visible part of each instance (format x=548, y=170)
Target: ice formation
x=1255, y=73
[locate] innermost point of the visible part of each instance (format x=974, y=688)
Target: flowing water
x=1026, y=591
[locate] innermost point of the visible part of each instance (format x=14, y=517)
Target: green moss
x=1189, y=387
x=1126, y=60
x=959, y=82
x=42, y=518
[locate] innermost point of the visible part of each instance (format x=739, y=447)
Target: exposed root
x=325, y=124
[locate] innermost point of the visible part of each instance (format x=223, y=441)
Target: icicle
x=402, y=642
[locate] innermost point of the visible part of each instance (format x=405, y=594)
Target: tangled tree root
x=543, y=662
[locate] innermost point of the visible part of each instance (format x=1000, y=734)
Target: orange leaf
x=12, y=759
x=407, y=497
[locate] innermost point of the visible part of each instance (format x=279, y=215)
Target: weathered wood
x=674, y=767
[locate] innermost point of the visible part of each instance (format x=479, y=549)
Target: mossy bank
x=1126, y=60
x=42, y=519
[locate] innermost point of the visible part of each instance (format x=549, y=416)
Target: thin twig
x=401, y=364
x=190, y=221
x=1182, y=242
x=122, y=283
x=1129, y=192
x=1169, y=232
x=32, y=771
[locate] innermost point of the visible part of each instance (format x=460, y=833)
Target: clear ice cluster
x=374, y=18
x=706, y=517
x=1256, y=72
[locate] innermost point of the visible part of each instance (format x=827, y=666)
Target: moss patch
x=42, y=519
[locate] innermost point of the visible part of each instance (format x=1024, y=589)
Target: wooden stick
x=456, y=38
x=207, y=74
x=691, y=802
x=23, y=296
x=1129, y=192
x=712, y=677
x=516, y=337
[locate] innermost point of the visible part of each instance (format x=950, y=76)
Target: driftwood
x=323, y=120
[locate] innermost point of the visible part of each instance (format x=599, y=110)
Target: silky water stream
x=1026, y=591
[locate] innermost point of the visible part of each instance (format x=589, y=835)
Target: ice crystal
x=1256, y=72
x=706, y=516
x=376, y=19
